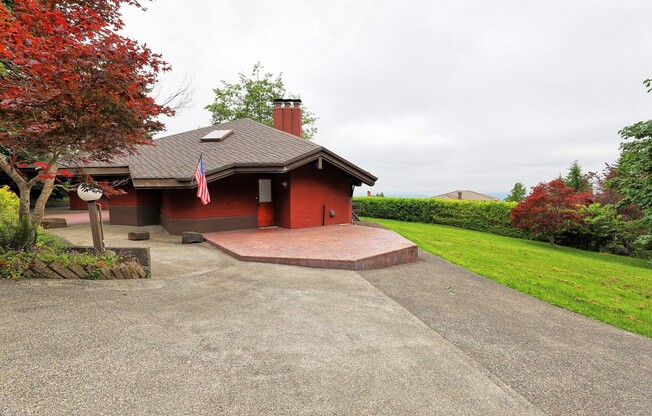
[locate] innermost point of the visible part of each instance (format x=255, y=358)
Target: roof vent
x=216, y=135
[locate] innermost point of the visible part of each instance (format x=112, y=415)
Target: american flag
x=200, y=177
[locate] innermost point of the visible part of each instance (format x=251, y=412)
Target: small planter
x=136, y=265
x=140, y=253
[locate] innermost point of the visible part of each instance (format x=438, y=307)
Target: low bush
x=9, y=203
x=604, y=229
x=17, y=235
x=486, y=216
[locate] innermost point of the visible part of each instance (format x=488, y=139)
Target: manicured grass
x=613, y=289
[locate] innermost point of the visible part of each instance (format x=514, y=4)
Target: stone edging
x=55, y=270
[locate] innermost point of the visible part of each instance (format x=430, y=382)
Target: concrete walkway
x=213, y=335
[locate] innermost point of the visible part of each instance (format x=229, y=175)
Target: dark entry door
x=265, y=203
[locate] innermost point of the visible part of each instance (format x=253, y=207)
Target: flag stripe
x=202, y=187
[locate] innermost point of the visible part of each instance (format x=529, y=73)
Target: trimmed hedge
x=490, y=217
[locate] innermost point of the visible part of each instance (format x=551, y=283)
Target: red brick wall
x=75, y=201
x=311, y=188
x=282, y=200
x=298, y=205
x=127, y=200
x=234, y=196
x=134, y=197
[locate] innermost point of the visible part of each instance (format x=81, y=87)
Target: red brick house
x=257, y=176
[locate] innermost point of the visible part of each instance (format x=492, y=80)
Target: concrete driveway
x=213, y=335
x=561, y=362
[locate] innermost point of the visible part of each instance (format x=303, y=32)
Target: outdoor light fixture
x=285, y=184
x=88, y=194
x=91, y=194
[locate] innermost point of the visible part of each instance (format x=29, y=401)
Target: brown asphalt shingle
x=176, y=156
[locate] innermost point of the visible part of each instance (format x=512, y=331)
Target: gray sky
x=430, y=96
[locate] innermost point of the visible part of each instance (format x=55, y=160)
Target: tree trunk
x=24, y=192
x=23, y=186
x=48, y=187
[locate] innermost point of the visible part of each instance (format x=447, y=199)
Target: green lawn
x=613, y=289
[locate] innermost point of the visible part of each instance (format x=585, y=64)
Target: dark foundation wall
x=136, y=216
x=312, y=188
x=177, y=226
x=233, y=206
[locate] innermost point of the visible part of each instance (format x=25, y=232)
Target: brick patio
x=348, y=247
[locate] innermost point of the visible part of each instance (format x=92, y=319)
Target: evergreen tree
x=517, y=193
x=576, y=179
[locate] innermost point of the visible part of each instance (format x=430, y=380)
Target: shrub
x=9, y=203
x=13, y=264
x=19, y=235
x=643, y=246
x=487, y=216
x=604, y=229
x=550, y=209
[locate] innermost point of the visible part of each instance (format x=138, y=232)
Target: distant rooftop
x=466, y=195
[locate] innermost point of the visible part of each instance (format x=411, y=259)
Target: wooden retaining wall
x=55, y=270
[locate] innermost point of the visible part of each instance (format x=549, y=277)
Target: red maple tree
x=71, y=88
x=550, y=208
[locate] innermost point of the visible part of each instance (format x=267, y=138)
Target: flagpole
x=200, y=178
x=196, y=167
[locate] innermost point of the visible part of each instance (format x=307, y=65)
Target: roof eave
x=104, y=170
x=336, y=160
x=359, y=174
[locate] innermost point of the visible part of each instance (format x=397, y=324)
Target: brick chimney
x=287, y=115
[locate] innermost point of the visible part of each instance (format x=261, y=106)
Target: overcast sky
x=430, y=96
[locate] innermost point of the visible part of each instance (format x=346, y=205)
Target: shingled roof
x=252, y=147
x=466, y=195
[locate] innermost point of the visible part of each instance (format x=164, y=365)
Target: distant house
x=466, y=195
x=257, y=176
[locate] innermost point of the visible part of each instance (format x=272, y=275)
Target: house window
x=265, y=190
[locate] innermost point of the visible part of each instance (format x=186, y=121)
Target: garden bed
x=54, y=258
x=132, y=263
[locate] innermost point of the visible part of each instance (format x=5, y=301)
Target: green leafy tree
x=577, y=179
x=634, y=166
x=253, y=97
x=517, y=193
x=633, y=177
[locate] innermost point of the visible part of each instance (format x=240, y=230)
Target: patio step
x=344, y=247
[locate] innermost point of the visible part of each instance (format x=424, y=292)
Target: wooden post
x=96, y=223
x=101, y=226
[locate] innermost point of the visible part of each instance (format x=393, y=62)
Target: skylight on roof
x=216, y=135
